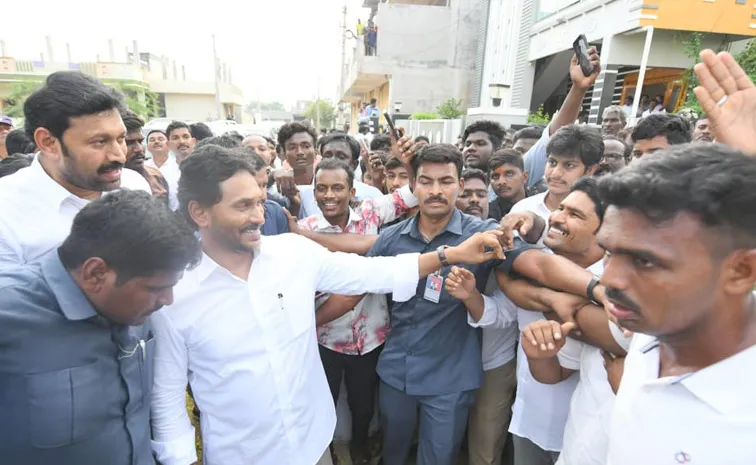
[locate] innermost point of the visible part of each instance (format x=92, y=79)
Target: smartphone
x=580, y=46
x=390, y=122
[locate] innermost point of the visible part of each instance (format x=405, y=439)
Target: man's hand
x=523, y=222
x=293, y=223
x=566, y=305
x=544, y=338
x=405, y=148
x=580, y=80
x=460, y=283
x=728, y=97
x=615, y=367
x=285, y=182
x=478, y=248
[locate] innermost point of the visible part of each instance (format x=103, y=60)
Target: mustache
x=251, y=227
x=473, y=207
x=109, y=167
x=436, y=199
x=619, y=297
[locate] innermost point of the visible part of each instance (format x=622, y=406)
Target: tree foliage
x=424, y=115
x=327, y=113
x=19, y=92
x=539, y=117
x=450, y=109
x=692, y=45
x=747, y=59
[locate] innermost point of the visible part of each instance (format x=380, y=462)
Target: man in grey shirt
x=76, y=360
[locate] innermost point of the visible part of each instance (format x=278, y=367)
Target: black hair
x=354, y=146
x=132, y=121
x=423, y=138
x=224, y=141
x=381, y=142
x=494, y=130
x=17, y=141
x=14, y=162
x=713, y=182
x=176, y=125
x=134, y=233
x=581, y=142
x=529, y=132
x=335, y=164
x=393, y=163
x=438, y=153
x=200, y=131
x=203, y=172
x=474, y=173
x=257, y=161
x=627, y=149
x=506, y=157
x=66, y=95
x=674, y=128
x=373, y=101
x=589, y=186
x=235, y=135
x=288, y=130
x=153, y=131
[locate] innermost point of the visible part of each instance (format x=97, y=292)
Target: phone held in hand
x=390, y=122
x=580, y=46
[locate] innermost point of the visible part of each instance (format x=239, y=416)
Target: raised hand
x=576, y=73
x=293, y=223
x=460, y=283
x=544, y=338
x=521, y=221
x=728, y=97
x=478, y=248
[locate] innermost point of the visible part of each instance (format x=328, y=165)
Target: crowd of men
x=555, y=295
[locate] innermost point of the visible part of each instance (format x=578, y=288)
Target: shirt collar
x=46, y=187
x=454, y=226
x=323, y=223
x=71, y=299
x=206, y=268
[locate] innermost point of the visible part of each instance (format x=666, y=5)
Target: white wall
x=501, y=48
x=190, y=106
x=666, y=49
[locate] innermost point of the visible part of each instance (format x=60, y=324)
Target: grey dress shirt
x=431, y=350
x=74, y=387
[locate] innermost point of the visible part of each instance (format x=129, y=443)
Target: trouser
x=325, y=459
x=361, y=380
x=529, y=453
x=442, y=425
x=489, y=417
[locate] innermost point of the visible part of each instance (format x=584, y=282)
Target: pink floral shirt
x=364, y=328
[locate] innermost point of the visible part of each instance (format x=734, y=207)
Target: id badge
x=433, y=288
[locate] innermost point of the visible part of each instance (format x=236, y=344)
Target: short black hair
x=474, y=173
x=136, y=234
x=288, y=130
x=494, y=130
x=257, y=161
x=17, y=141
x=176, y=125
x=628, y=149
x=506, y=157
x=14, y=162
x=713, y=182
x=354, y=146
x=423, y=138
x=381, y=142
x=66, y=95
x=132, y=121
x=438, y=153
x=393, y=163
x=335, y=164
x=577, y=141
x=529, y=132
x=200, y=131
x=674, y=128
x=589, y=186
x=203, y=172
x=224, y=141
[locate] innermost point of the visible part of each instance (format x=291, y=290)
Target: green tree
x=692, y=44
x=539, y=117
x=327, y=113
x=747, y=59
x=421, y=115
x=139, y=98
x=450, y=109
x=19, y=92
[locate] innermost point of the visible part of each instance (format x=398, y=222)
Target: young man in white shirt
x=241, y=329
x=162, y=159
x=680, y=237
x=76, y=124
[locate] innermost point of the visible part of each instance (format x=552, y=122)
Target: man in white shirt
x=75, y=122
x=162, y=159
x=241, y=330
x=680, y=237
x=180, y=140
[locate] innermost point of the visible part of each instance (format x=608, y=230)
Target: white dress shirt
x=586, y=435
x=499, y=324
x=250, y=352
x=36, y=212
x=703, y=418
x=171, y=172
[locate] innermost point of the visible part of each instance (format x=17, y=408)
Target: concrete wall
x=195, y=107
x=666, y=49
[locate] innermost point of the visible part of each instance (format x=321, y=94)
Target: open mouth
x=554, y=231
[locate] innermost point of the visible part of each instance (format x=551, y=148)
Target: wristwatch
x=589, y=292
x=441, y=251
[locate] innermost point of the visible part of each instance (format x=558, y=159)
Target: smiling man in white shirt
x=75, y=122
x=241, y=330
x=680, y=237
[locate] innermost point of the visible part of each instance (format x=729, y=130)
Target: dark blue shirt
x=431, y=350
x=275, y=220
x=74, y=388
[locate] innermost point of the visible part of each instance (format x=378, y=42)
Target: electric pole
x=216, y=70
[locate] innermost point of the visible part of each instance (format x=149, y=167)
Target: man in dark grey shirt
x=75, y=342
